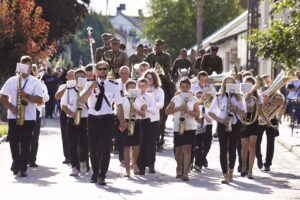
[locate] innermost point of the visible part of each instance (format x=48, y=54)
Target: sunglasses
x=102, y=69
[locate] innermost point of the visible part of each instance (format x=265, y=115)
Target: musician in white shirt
x=19, y=136
x=63, y=119
x=159, y=98
x=77, y=132
x=147, y=146
x=36, y=132
x=100, y=94
x=139, y=111
x=220, y=110
x=188, y=107
x=203, y=141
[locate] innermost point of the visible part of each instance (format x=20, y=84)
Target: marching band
x=112, y=99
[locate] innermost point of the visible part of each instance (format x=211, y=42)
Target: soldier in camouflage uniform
x=181, y=63
x=106, y=46
x=161, y=57
x=137, y=57
x=211, y=62
x=115, y=57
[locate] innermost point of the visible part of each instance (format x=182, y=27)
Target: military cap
x=159, y=42
x=214, y=48
x=106, y=35
x=114, y=40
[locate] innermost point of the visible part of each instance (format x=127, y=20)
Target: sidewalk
x=285, y=138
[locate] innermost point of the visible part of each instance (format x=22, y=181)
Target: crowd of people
x=121, y=103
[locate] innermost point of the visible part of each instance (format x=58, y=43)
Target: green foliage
x=80, y=46
x=175, y=20
x=65, y=17
x=280, y=41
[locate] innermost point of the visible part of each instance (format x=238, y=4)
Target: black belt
x=101, y=116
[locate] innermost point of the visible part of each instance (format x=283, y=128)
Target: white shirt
x=121, y=85
x=151, y=108
x=69, y=99
x=138, y=103
x=159, y=99
x=190, y=121
x=33, y=87
x=112, y=94
x=61, y=87
x=206, y=89
x=293, y=93
x=45, y=98
x=219, y=106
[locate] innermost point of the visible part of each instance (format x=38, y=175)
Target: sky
x=132, y=6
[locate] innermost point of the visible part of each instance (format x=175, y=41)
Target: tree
x=280, y=42
x=23, y=32
x=80, y=47
x=175, y=21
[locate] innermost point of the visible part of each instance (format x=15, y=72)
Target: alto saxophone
x=182, y=119
x=78, y=111
x=132, y=117
x=21, y=104
x=229, y=114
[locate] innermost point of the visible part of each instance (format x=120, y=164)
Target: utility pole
x=199, y=25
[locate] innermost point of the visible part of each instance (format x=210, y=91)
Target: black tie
x=100, y=97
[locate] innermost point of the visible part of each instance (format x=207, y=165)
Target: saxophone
x=132, y=117
x=21, y=104
x=78, y=111
x=182, y=118
x=229, y=114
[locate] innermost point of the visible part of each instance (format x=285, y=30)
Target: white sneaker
x=74, y=172
x=83, y=168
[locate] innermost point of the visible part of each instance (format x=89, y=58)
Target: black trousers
x=149, y=131
x=100, y=130
x=271, y=134
x=35, y=139
x=50, y=105
x=64, y=135
x=19, y=141
x=78, y=142
x=201, y=146
x=162, y=127
x=228, y=143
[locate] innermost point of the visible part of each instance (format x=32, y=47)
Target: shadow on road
x=36, y=176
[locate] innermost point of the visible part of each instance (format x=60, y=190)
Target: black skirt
x=186, y=138
x=131, y=140
x=250, y=130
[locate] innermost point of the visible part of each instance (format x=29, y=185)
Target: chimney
x=121, y=7
x=140, y=12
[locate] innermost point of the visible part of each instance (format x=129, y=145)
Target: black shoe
x=243, y=174
x=101, y=181
x=151, y=170
x=239, y=168
x=67, y=161
x=267, y=168
x=33, y=165
x=93, y=178
x=215, y=135
x=14, y=169
x=142, y=172
x=205, y=163
x=259, y=163
x=23, y=174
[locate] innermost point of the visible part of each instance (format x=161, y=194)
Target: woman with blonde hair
x=225, y=106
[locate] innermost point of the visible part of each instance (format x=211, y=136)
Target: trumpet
x=21, y=104
x=182, y=118
x=132, y=117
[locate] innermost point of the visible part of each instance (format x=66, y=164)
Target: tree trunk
x=199, y=25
